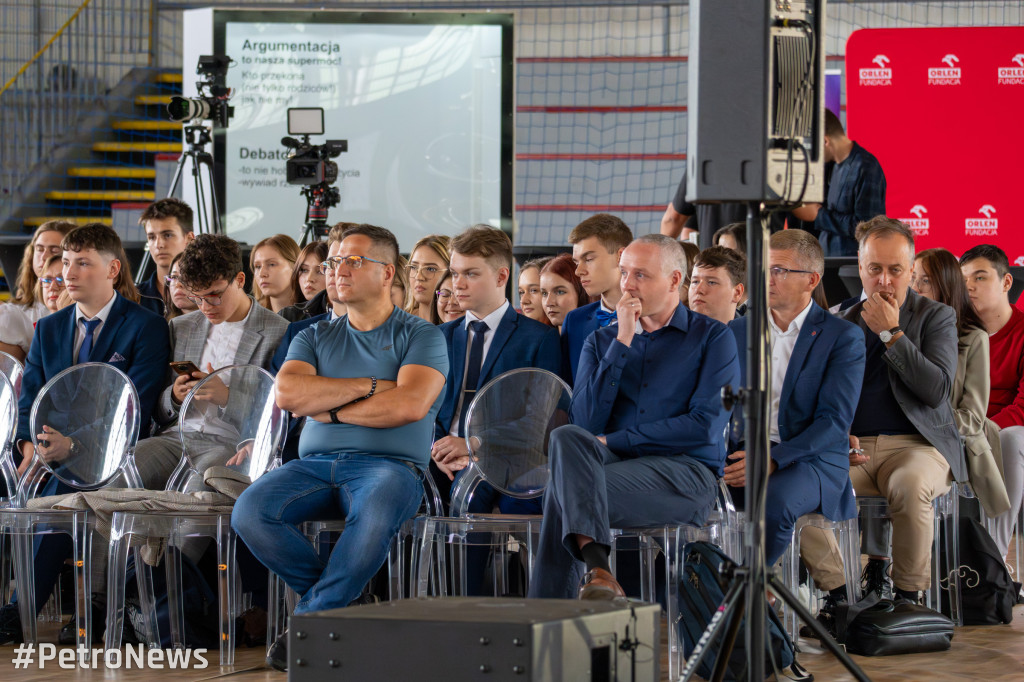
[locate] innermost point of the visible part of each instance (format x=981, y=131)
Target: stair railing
x=67, y=76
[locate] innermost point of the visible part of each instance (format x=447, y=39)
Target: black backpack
x=987, y=594
x=701, y=591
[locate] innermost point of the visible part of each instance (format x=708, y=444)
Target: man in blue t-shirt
x=370, y=385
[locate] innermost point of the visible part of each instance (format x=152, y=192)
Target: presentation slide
x=420, y=104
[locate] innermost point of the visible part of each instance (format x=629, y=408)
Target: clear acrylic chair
x=11, y=368
x=847, y=538
x=95, y=406
x=231, y=419
x=9, y=498
x=945, y=542
x=507, y=429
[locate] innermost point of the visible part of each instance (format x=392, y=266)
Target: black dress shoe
x=826, y=616
x=68, y=634
x=277, y=657
x=10, y=625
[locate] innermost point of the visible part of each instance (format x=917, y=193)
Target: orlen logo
x=1012, y=75
x=919, y=224
x=947, y=75
x=983, y=227
x=882, y=75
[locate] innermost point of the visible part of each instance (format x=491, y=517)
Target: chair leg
x=117, y=568
x=24, y=578
x=82, y=542
x=175, y=604
x=147, y=599
x=226, y=569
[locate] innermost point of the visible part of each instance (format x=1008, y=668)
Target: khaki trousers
x=909, y=473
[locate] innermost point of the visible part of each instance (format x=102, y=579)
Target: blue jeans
x=593, y=490
x=374, y=495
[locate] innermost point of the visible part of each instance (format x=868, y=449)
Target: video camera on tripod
x=311, y=167
x=212, y=103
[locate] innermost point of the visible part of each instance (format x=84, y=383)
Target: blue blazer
x=518, y=342
x=133, y=339
x=289, y=335
x=576, y=327
x=819, y=398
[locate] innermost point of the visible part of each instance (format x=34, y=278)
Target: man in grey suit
x=229, y=328
x=904, y=443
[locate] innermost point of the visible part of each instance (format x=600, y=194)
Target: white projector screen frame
x=425, y=100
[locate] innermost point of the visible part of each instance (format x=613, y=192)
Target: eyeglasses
x=921, y=282
x=443, y=294
x=354, y=262
x=777, y=272
x=209, y=299
x=59, y=281
x=428, y=270
x=170, y=279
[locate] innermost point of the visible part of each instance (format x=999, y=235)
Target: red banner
x=942, y=110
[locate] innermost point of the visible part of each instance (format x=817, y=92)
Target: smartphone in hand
x=184, y=367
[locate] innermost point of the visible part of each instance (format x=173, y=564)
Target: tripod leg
x=729, y=641
x=732, y=603
x=792, y=602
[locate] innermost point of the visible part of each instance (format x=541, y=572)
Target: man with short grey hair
x=904, y=443
x=817, y=368
x=647, y=440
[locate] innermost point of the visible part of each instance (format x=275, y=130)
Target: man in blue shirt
x=856, y=192
x=370, y=384
x=647, y=440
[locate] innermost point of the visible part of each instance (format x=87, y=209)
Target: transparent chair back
x=507, y=430
x=8, y=429
x=13, y=370
x=91, y=417
x=231, y=419
x=9, y=495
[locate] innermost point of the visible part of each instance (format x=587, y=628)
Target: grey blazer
x=261, y=335
x=922, y=365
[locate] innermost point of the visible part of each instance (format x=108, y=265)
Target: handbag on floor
x=883, y=627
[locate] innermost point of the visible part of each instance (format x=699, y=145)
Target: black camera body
x=311, y=164
x=212, y=103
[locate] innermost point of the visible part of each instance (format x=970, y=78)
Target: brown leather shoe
x=600, y=585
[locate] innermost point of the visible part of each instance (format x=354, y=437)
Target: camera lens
x=183, y=109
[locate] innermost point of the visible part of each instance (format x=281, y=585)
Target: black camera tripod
x=197, y=137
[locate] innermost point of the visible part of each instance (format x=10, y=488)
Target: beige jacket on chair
x=981, y=435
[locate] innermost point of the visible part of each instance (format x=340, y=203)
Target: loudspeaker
x=469, y=638
x=756, y=91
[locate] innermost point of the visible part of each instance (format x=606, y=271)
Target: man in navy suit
x=102, y=326
x=817, y=370
x=489, y=340
x=168, y=226
x=597, y=245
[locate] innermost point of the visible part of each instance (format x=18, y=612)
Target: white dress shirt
x=783, y=343
x=493, y=320
x=80, y=319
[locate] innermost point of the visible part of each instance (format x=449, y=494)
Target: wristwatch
x=886, y=336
